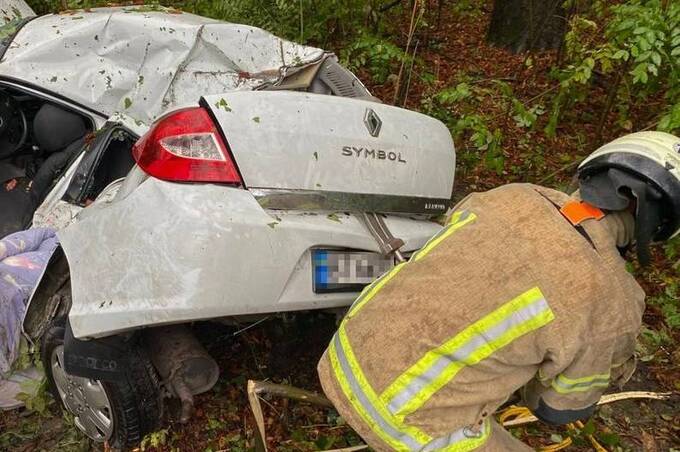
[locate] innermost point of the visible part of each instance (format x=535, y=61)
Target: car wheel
x=119, y=412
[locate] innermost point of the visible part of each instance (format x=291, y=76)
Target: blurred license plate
x=347, y=271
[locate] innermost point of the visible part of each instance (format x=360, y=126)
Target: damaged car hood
x=146, y=60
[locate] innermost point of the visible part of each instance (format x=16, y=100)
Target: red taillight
x=185, y=146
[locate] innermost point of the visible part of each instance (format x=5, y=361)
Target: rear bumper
x=171, y=253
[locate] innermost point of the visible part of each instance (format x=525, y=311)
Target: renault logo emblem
x=373, y=122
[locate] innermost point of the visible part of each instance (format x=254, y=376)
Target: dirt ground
x=286, y=350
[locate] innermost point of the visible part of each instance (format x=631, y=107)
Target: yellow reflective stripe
x=455, y=218
x=371, y=410
x=461, y=338
x=455, y=224
x=573, y=381
x=369, y=292
x=565, y=385
x=372, y=289
x=420, y=377
x=358, y=408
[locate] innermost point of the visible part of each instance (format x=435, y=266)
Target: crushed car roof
x=143, y=61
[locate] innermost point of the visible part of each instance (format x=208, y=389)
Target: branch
x=566, y=167
x=255, y=388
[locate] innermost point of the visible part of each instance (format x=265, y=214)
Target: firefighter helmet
x=640, y=171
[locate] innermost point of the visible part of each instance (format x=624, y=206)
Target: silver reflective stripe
x=368, y=407
x=463, y=216
x=462, y=353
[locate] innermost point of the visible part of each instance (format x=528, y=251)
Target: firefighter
x=524, y=289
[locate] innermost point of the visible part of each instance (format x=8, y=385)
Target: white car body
x=130, y=65
x=168, y=252
x=309, y=176
x=145, y=61
x=164, y=252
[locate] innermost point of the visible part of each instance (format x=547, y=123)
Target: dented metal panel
x=172, y=253
x=143, y=61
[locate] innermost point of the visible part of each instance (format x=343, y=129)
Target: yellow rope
x=518, y=412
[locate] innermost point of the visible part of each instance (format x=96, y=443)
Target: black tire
x=135, y=400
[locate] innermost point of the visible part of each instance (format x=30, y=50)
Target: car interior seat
x=59, y=134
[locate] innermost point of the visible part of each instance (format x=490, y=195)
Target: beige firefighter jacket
x=508, y=295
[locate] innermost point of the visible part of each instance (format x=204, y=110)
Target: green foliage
x=671, y=120
x=467, y=8
x=456, y=107
x=306, y=21
x=640, y=51
x=484, y=139
x=154, y=439
x=654, y=339
x=380, y=56
x=35, y=396
x=454, y=94
x=667, y=300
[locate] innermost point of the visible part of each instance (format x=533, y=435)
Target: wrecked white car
x=269, y=181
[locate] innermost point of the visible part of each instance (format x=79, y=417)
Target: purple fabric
x=23, y=255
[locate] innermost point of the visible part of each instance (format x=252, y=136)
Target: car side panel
x=170, y=253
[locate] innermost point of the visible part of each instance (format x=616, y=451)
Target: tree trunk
x=521, y=25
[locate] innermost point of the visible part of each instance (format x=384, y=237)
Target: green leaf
x=644, y=56
x=640, y=73
x=644, y=44
x=651, y=36
x=128, y=103
x=609, y=439
x=589, y=428
x=555, y=438
x=621, y=55
x=656, y=58
x=640, y=30
x=455, y=94
x=626, y=24
x=222, y=103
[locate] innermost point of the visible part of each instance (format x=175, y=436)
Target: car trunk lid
x=306, y=151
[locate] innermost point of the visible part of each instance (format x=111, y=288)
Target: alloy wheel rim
x=84, y=398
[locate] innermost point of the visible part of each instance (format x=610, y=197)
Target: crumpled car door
x=69, y=196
